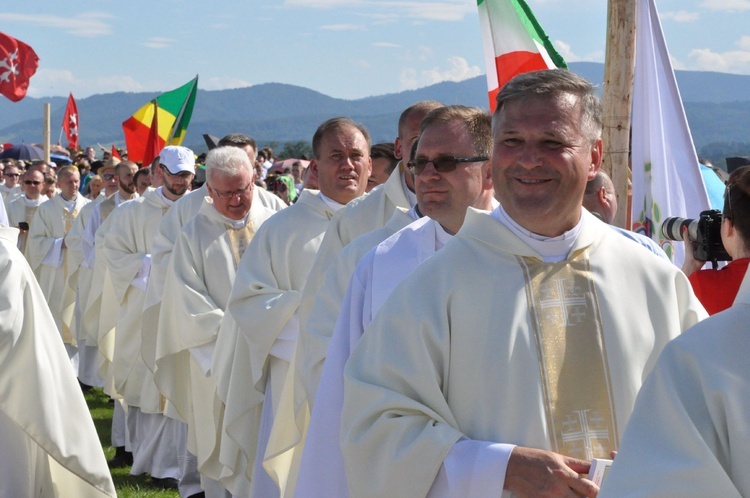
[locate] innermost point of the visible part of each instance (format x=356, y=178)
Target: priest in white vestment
x=48, y=442
x=22, y=209
x=202, y=269
x=87, y=326
x=267, y=292
x=442, y=198
x=127, y=252
x=47, y=253
x=689, y=435
x=509, y=359
x=11, y=188
x=369, y=213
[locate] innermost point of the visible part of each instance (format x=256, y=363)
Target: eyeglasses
x=232, y=194
x=108, y=176
x=184, y=175
x=444, y=164
x=32, y=182
x=12, y=175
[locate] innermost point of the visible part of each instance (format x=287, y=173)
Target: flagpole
x=618, y=90
x=46, y=131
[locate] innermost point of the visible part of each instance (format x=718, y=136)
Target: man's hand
x=541, y=474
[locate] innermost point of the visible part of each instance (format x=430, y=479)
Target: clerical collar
x=410, y=196
x=552, y=249
x=69, y=205
x=335, y=206
x=32, y=202
x=236, y=223
x=442, y=236
x=164, y=198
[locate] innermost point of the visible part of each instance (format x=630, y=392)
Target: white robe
x=48, y=442
x=88, y=353
x=20, y=210
x=48, y=260
x=428, y=387
x=377, y=274
x=689, y=435
x=259, y=341
x=199, y=280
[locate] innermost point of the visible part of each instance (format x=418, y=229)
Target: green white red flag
x=175, y=109
x=514, y=43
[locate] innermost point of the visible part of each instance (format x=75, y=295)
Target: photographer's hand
x=691, y=264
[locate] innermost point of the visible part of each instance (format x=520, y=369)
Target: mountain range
x=717, y=106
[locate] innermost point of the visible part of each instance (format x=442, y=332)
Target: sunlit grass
x=127, y=486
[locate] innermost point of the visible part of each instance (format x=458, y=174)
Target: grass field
x=127, y=486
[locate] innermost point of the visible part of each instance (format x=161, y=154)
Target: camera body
x=705, y=232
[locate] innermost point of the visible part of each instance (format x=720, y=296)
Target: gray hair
x=227, y=160
x=553, y=83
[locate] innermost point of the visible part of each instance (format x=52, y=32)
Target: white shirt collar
x=552, y=249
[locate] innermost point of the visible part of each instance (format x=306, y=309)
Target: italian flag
x=174, y=110
x=514, y=43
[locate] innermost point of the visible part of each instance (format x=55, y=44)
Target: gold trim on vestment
x=239, y=239
x=573, y=364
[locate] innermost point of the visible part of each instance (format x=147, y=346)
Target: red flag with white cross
x=18, y=63
x=70, y=123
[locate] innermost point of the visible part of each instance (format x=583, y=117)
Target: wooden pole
x=46, y=132
x=618, y=91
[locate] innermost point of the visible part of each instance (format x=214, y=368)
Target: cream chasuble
x=689, y=435
x=48, y=442
x=127, y=253
x=20, y=210
x=51, y=222
x=376, y=275
x=88, y=354
x=287, y=437
x=262, y=313
x=454, y=355
x=202, y=270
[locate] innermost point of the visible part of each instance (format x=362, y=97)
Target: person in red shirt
x=716, y=289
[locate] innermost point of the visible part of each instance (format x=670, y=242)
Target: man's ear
x=397, y=148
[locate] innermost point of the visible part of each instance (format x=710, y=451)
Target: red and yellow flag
x=174, y=111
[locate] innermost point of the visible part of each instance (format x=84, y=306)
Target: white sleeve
x=472, y=469
x=140, y=281
x=203, y=355
x=54, y=255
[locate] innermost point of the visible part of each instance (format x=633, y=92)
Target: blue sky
x=342, y=48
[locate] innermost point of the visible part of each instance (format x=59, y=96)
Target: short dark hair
x=238, y=140
x=477, y=121
x=737, y=202
x=551, y=83
x=421, y=107
x=385, y=150
x=336, y=124
x=141, y=172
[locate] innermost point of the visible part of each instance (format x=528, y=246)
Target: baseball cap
x=177, y=159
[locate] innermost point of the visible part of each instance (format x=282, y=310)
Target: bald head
x=599, y=197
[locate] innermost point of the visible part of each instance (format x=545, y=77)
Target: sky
x=343, y=48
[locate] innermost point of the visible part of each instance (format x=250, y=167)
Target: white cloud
x=89, y=24
x=321, y=4
x=363, y=64
x=222, y=83
x=726, y=5
x=732, y=61
x=680, y=16
x=342, y=27
x=157, y=42
x=59, y=82
x=386, y=45
x=458, y=70
x=565, y=51
x=446, y=10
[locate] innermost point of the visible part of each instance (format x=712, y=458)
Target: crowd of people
x=450, y=314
